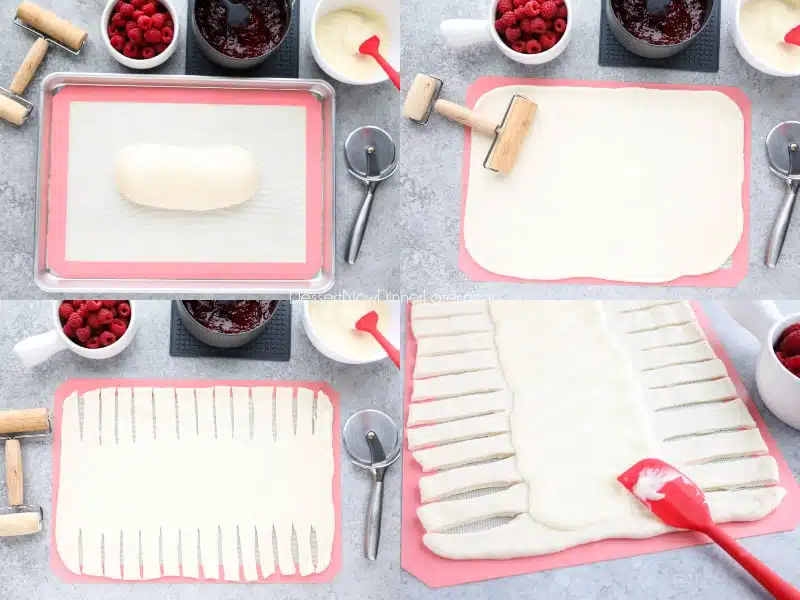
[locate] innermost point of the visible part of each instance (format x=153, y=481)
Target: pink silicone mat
x=723, y=277
x=436, y=572
x=317, y=199
x=84, y=385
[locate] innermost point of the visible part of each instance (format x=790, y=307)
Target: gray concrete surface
x=378, y=265
x=431, y=173
x=696, y=573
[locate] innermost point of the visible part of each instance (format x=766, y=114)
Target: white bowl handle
x=757, y=317
x=38, y=348
x=460, y=33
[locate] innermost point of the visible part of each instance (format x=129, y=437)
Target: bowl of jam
x=226, y=323
x=663, y=29
x=245, y=44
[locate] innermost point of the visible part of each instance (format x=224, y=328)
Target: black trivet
x=284, y=63
x=701, y=55
x=274, y=344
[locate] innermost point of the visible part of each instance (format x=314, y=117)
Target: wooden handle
x=50, y=24
x=12, y=111
x=460, y=114
x=22, y=523
x=24, y=421
x=14, y=473
x=28, y=67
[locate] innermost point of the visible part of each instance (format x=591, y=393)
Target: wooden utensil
x=369, y=324
x=371, y=47
x=678, y=502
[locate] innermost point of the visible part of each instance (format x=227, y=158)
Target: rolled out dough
x=628, y=184
x=184, y=177
x=586, y=399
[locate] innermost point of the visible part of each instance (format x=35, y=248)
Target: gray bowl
x=218, y=339
x=644, y=49
x=228, y=62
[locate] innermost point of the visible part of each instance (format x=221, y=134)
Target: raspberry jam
x=681, y=20
x=230, y=316
x=264, y=30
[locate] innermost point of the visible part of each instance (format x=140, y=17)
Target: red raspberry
x=149, y=9
x=131, y=50
x=129, y=25
x=793, y=364
x=93, y=321
x=549, y=25
x=518, y=3
x=94, y=305
x=152, y=36
x=161, y=47
x=118, y=326
x=124, y=310
x=69, y=331
x=168, y=23
x=526, y=25
x=93, y=343
x=104, y=316
x=107, y=338
x=78, y=303
x=790, y=329
x=560, y=2
x=83, y=311
x=138, y=3
x=75, y=320
x=144, y=22
x=158, y=20
x=166, y=34
x=118, y=43
x=533, y=9
x=135, y=35
x=520, y=13
x=509, y=18
x=562, y=12
x=126, y=10
x=518, y=46
x=83, y=334
x=548, y=39
x=790, y=346
x=137, y=14
x=503, y=6
x=533, y=47
x=117, y=20
x=64, y=311
x=539, y=26
x=559, y=25
x=112, y=31
x=549, y=9
x=500, y=26
x=513, y=34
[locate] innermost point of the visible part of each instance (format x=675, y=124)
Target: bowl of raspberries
x=531, y=32
x=95, y=329
x=140, y=34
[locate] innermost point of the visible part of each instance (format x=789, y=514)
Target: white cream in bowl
x=763, y=25
x=334, y=321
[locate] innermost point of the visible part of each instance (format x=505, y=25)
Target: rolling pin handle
x=466, y=117
x=14, y=472
x=28, y=68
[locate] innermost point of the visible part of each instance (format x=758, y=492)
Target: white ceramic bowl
x=460, y=33
x=140, y=64
x=388, y=8
x=39, y=348
x=747, y=54
x=391, y=330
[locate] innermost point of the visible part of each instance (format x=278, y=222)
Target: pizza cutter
x=783, y=151
x=678, y=502
x=371, y=158
x=372, y=441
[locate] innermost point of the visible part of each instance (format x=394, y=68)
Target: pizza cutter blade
x=372, y=441
x=783, y=152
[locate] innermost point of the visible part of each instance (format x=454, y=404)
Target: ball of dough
x=186, y=178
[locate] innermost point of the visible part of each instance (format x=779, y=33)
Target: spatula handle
x=775, y=585
x=392, y=352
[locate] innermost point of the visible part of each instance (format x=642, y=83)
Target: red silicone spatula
x=371, y=47
x=369, y=324
x=793, y=37
x=676, y=500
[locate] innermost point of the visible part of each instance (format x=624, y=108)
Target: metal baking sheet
x=89, y=240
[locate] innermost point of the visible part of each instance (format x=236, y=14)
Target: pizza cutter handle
x=775, y=585
x=778, y=234
x=372, y=534
x=360, y=225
